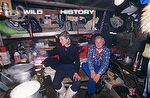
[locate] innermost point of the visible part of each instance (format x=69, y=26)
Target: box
x=111, y=80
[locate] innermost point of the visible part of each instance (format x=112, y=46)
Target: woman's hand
x=76, y=77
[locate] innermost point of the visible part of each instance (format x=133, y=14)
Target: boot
x=62, y=91
x=87, y=95
x=100, y=85
x=70, y=93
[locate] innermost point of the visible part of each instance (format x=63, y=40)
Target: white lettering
x=27, y=11
x=33, y=12
x=62, y=12
x=77, y=11
x=39, y=11
x=86, y=11
x=80, y=11
x=91, y=11
x=69, y=11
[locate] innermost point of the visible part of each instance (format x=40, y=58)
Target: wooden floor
x=50, y=92
x=47, y=91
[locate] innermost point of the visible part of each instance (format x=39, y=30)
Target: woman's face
x=99, y=43
x=63, y=41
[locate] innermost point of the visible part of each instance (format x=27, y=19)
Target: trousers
x=62, y=71
x=91, y=83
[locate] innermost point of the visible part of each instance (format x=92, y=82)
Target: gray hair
x=65, y=34
x=100, y=37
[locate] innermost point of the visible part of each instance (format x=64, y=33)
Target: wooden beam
x=59, y=4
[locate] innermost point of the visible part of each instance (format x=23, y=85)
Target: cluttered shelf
x=46, y=34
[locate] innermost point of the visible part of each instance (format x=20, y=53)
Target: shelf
x=46, y=34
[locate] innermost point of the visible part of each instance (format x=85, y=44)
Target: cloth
x=92, y=86
x=116, y=22
x=14, y=25
x=130, y=10
x=49, y=71
x=67, y=55
x=4, y=29
x=101, y=60
x=89, y=23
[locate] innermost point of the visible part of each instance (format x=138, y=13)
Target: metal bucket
x=29, y=89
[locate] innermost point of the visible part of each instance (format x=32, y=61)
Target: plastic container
x=4, y=56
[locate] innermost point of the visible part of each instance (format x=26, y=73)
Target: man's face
x=99, y=43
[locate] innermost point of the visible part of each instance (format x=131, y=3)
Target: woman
x=68, y=64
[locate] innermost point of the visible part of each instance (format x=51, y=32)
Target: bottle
x=135, y=65
x=4, y=56
x=30, y=57
x=17, y=57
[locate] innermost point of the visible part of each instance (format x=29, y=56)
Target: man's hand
x=97, y=77
x=76, y=77
x=93, y=74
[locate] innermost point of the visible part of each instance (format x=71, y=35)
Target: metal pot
x=21, y=72
x=29, y=89
x=22, y=77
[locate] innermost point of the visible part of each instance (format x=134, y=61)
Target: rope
x=102, y=23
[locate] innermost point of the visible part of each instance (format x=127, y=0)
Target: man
x=97, y=64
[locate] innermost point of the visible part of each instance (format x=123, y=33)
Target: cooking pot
x=22, y=77
x=29, y=89
x=21, y=72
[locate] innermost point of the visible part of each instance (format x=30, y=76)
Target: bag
x=35, y=26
